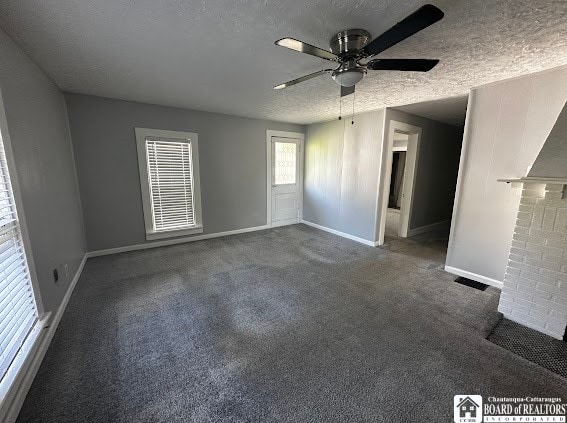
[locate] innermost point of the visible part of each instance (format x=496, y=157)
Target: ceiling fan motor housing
x=349, y=43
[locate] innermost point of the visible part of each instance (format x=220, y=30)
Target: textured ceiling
x=218, y=55
x=451, y=110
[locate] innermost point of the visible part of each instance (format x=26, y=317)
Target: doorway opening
x=419, y=173
x=402, y=146
x=396, y=194
x=284, y=151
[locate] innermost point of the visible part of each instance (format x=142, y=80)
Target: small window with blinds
x=169, y=178
x=18, y=310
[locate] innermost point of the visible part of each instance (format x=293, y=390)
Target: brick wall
x=535, y=285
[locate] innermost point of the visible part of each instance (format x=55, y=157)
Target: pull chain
x=340, y=104
x=353, y=98
x=344, y=127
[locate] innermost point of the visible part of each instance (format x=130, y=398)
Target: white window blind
x=18, y=311
x=170, y=177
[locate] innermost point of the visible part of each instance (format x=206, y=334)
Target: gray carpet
x=289, y=325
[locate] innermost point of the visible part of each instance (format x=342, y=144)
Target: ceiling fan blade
x=420, y=19
x=306, y=48
x=408, y=65
x=303, y=78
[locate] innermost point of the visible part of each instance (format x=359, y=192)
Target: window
x=169, y=178
x=18, y=309
x=285, y=162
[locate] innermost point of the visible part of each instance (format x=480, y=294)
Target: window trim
x=13, y=382
x=142, y=134
x=22, y=221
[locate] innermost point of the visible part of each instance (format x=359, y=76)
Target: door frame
x=410, y=174
x=283, y=134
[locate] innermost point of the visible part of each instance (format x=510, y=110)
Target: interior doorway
x=425, y=209
x=396, y=193
x=401, y=147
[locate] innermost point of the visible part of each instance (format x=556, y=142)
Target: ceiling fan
x=350, y=48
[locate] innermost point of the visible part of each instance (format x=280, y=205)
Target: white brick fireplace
x=535, y=284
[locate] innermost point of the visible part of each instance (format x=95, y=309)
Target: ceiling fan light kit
x=348, y=73
x=348, y=77
x=351, y=49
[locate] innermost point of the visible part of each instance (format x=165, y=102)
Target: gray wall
x=341, y=174
x=39, y=133
x=551, y=161
x=232, y=160
x=507, y=124
x=436, y=171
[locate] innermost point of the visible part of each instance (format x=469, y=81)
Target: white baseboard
x=475, y=277
x=32, y=363
x=339, y=233
x=284, y=222
x=446, y=224
x=173, y=241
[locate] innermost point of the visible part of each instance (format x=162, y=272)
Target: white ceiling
x=218, y=55
x=451, y=110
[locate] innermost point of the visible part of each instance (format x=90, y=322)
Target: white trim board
x=458, y=188
x=16, y=191
x=446, y=224
x=475, y=277
x=174, y=241
x=33, y=361
x=285, y=222
x=16, y=373
x=339, y=233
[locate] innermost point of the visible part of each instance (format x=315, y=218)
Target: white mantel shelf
x=534, y=180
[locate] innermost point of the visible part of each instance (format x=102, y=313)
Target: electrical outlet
x=66, y=267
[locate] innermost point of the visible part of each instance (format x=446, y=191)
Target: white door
x=286, y=181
